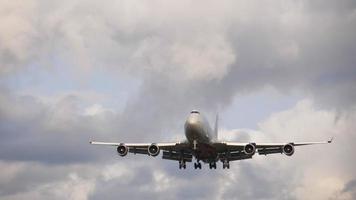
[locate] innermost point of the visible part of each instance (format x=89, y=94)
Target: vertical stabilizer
x=216, y=126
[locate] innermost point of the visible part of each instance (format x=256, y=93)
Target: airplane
x=202, y=144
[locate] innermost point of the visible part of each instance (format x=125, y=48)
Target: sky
x=132, y=70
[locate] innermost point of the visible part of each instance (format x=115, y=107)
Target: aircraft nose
x=193, y=124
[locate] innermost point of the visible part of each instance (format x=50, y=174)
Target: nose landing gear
x=182, y=164
x=197, y=165
x=212, y=165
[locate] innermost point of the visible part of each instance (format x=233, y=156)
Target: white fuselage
x=200, y=137
x=197, y=128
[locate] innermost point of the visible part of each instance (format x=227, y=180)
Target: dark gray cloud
x=291, y=46
x=350, y=187
x=185, y=55
x=32, y=131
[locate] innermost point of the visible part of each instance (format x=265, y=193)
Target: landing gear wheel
x=182, y=164
x=197, y=165
x=212, y=165
x=226, y=164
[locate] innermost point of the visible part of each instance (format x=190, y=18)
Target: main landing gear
x=197, y=165
x=182, y=164
x=226, y=164
x=212, y=165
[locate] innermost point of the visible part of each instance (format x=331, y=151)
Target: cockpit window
x=195, y=111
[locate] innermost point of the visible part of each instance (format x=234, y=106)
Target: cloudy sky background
x=131, y=71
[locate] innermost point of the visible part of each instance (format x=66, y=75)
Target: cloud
x=184, y=55
x=271, y=177
x=57, y=133
x=318, y=172
x=243, y=47
x=37, y=181
x=349, y=189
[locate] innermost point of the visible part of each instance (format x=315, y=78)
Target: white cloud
x=118, y=171
x=207, y=58
x=9, y=171
x=95, y=109
x=318, y=172
x=184, y=54
x=300, y=122
x=17, y=33
x=73, y=188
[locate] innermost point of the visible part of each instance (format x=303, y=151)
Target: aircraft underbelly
x=206, y=153
x=197, y=132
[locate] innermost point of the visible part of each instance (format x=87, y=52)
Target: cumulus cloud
x=290, y=45
x=306, y=175
x=184, y=55
x=37, y=181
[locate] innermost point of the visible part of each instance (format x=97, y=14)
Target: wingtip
x=331, y=140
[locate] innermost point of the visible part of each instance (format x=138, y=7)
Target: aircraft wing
x=238, y=151
x=171, y=151
x=135, y=145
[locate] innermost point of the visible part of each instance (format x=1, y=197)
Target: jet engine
x=153, y=150
x=122, y=150
x=288, y=149
x=250, y=149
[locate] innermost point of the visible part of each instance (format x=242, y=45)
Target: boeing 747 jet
x=202, y=144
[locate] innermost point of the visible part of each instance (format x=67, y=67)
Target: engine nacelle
x=288, y=149
x=122, y=150
x=250, y=149
x=153, y=150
